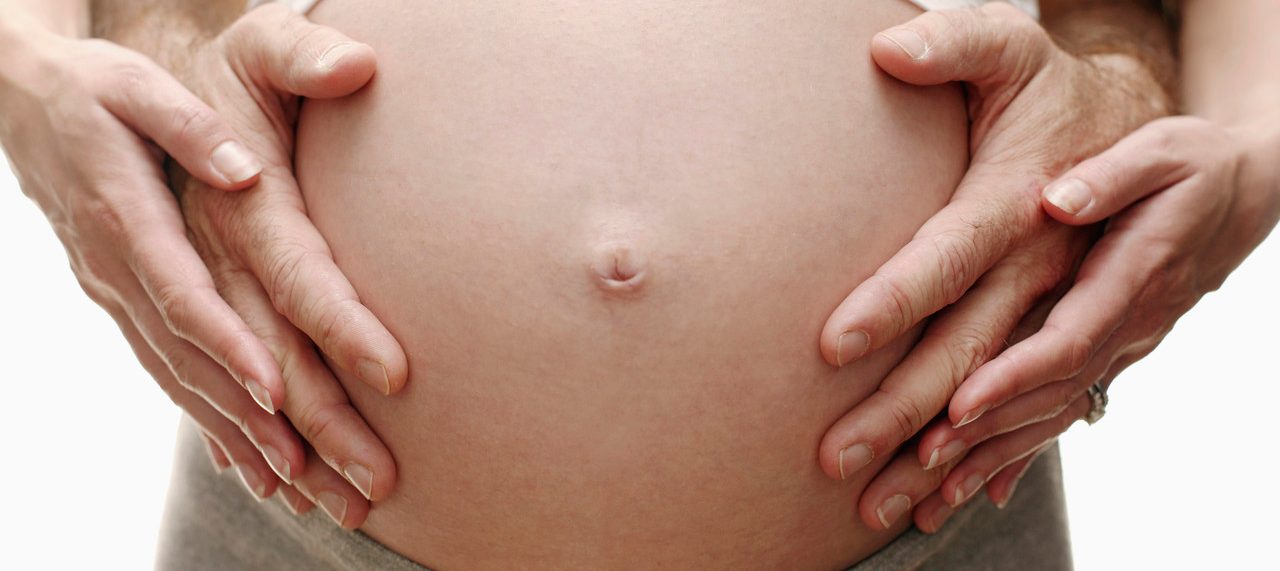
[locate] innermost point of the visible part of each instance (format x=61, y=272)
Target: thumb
x=991, y=46
x=1149, y=160
x=289, y=53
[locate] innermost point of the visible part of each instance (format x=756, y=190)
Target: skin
x=112, y=208
x=607, y=249
x=1187, y=199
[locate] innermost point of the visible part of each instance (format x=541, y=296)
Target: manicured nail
x=260, y=395
x=968, y=488
x=218, y=464
x=910, y=42
x=256, y=486
x=972, y=415
x=854, y=458
x=851, y=346
x=945, y=453
x=1012, y=488
x=234, y=162
x=892, y=509
x=1071, y=195
x=334, y=505
x=940, y=517
x=333, y=56
x=373, y=373
x=291, y=501
x=278, y=463
x=361, y=477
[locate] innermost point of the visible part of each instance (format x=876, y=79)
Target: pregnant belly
x=608, y=235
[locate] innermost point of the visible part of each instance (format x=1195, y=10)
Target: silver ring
x=1097, y=403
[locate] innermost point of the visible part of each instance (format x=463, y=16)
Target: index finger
x=293, y=262
x=944, y=259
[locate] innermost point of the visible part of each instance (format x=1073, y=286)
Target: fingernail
x=361, y=477
x=373, y=373
x=910, y=42
x=892, y=509
x=854, y=458
x=940, y=517
x=1012, y=488
x=256, y=486
x=333, y=56
x=972, y=415
x=945, y=453
x=289, y=502
x=334, y=505
x=260, y=395
x=278, y=463
x=851, y=346
x=234, y=162
x=218, y=466
x=1071, y=195
x=968, y=488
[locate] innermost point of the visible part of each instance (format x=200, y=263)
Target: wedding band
x=1097, y=403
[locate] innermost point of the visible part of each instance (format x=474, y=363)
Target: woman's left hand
x=1188, y=200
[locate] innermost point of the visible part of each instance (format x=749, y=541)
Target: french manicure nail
x=851, y=346
x=909, y=41
x=361, y=477
x=940, y=517
x=332, y=56
x=278, y=463
x=1071, y=195
x=892, y=509
x=251, y=481
x=334, y=505
x=290, y=502
x=260, y=395
x=854, y=458
x=234, y=162
x=1012, y=488
x=972, y=415
x=968, y=488
x=373, y=373
x=945, y=453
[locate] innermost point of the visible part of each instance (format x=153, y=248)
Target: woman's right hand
x=86, y=125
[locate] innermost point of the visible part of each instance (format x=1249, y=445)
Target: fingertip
x=1069, y=200
x=237, y=166
x=340, y=70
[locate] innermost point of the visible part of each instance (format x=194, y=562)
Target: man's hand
x=1036, y=111
x=272, y=265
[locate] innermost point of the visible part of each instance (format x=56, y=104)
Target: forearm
x=1129, y=37
x=165, y=30
x=1229, y=66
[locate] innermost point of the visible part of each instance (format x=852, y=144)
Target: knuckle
x=956, y=252
x=898, y=306
x=192, y=121
x=316, y=419
x=906, y=414
x=175, y=303
x=1076, y=350
x=970, y=347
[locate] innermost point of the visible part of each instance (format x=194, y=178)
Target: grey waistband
x=211, y=523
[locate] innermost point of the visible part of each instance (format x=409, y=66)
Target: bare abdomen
x=608, y=235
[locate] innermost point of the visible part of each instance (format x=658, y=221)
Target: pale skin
x=113, y=210
x=1102, y=205
x=1188, y=198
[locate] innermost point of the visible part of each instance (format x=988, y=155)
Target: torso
x=608, y=235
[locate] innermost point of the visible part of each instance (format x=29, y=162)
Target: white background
x=1181, y=474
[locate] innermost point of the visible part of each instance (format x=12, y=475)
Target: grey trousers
x=211, y=523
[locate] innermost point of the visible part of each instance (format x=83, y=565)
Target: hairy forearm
x=1230, y=68
x=165, y=30
x=1131, y=37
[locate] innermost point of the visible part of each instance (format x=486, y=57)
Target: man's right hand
x=86, y=124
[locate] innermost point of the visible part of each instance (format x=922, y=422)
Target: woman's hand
x=1036, y=111
x=1188, y=200
x=86, y=125
x=271, y=264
